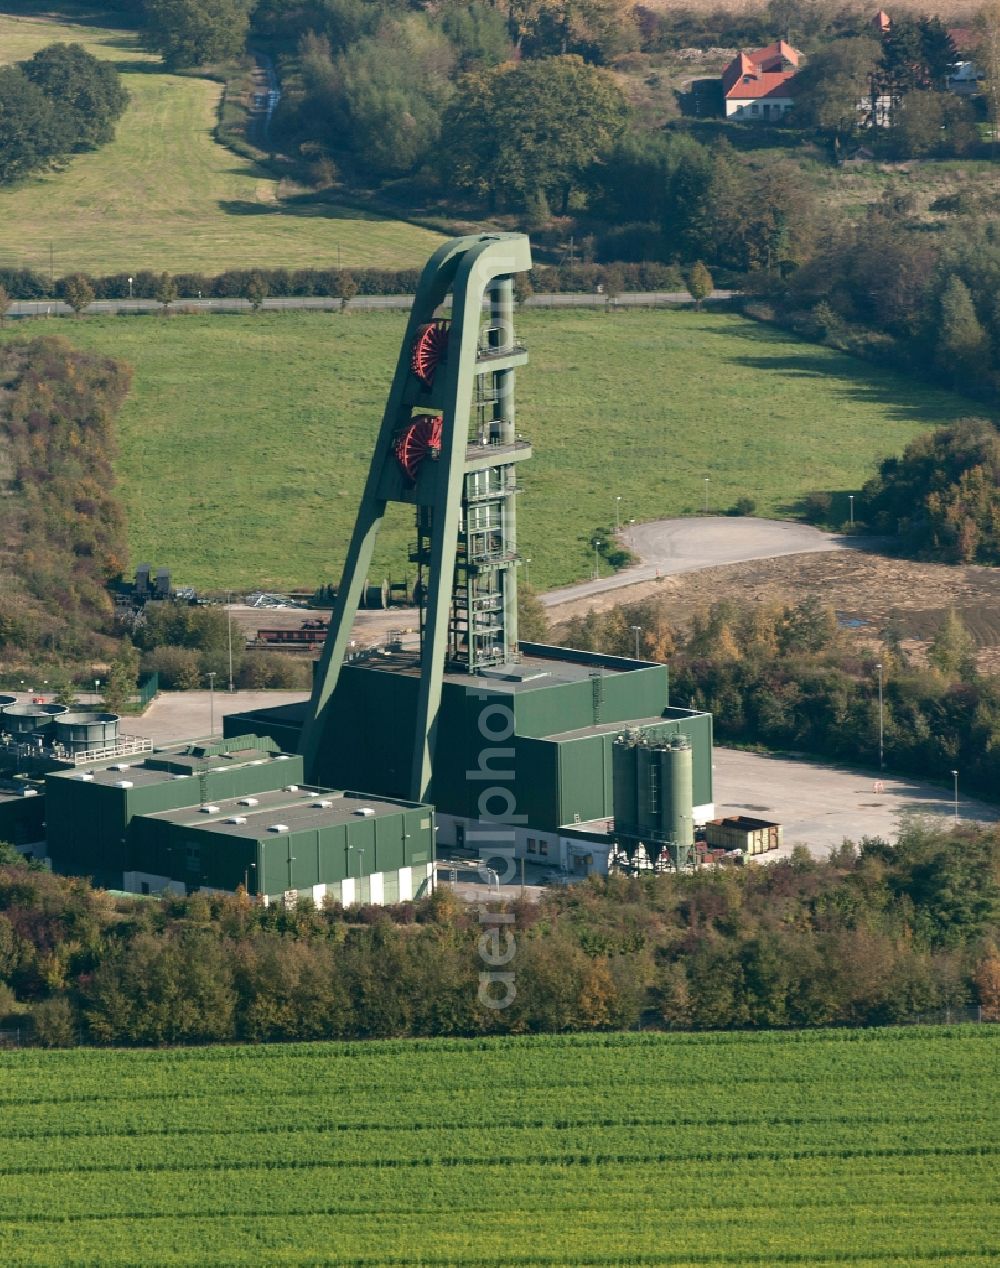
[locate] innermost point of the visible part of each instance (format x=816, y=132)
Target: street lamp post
x=636, y=630
x=527, y=572
x=618, y=507
x=850, y=498
x=130, y=288
x=211, y=704
x=97, y=690
x=597, y=559
x=706, y=494
x=881, y=720
x=954, y=775
x=229, y=627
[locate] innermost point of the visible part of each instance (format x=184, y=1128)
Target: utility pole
x=881, y=721
x=597, y=559
x=636, y=630
x=618, y=506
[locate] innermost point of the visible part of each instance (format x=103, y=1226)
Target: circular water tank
x=24, y=719
x=78, y=731
x=7, y=700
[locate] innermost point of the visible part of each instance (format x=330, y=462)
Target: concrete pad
x=670, y=546
x=188, y=715
x=818, y=806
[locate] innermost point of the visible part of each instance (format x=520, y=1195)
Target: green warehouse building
x=213, y=817
x=543, y=729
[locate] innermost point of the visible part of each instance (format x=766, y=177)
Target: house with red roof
x=759, y=85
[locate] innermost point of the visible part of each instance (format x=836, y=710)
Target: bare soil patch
x=870, y=593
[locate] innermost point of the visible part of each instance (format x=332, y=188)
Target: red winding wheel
x=420, y=439
x=429, y=348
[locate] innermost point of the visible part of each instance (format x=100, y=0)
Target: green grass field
x=246, y=439
x=821, y=1148
x=165, y=195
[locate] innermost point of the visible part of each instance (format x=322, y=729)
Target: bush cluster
x=183, y=644
x=873, y=935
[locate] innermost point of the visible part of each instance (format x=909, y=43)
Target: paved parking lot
x=188, y=715
x=821, y=805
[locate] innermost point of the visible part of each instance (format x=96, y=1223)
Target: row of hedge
x=28, y=284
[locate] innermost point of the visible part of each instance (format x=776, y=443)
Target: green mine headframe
x=447, y=447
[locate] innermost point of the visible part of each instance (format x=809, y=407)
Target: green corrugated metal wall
x=293, y=860
x=89, y=824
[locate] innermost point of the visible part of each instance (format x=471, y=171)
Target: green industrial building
x=566, y=758
x=214, y=817
x=542, y=728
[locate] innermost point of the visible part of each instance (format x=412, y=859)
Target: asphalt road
x=665, y=547
x=360, y=303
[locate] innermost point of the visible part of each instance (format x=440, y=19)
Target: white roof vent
x=29, y=792
x=278, y=827
x=124, y=783
x=247, y=801
x=209, y=810
x=218, y=770
x=84, y=776
x=237, y=819
x=120, y=766
x=365, y=812
x=180, y=776
x=291, y=788
x=282, y=757
x=323, y=804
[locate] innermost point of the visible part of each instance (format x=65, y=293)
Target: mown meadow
x=165, y=195
x=246, y=438
x=846, y=1147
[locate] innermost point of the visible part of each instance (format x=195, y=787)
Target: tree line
x=63, y=525
x=887, y=289
x=787, y=677
x=57, y=103
x=877, y=933
x=31, y=284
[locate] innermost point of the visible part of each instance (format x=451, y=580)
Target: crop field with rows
x=836, y=1147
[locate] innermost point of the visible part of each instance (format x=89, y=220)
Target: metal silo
x=81, y=731
x=22, y=720
x=678, y=801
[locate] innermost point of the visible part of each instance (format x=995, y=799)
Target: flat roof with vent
x=283, y=811
x=175, y=761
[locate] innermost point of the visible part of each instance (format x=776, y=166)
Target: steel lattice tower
x=447, y=446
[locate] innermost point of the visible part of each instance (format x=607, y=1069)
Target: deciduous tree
x=77, y=291
x=531, y=126
x=699, y=283
x=193, y=32
x=88, y=93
